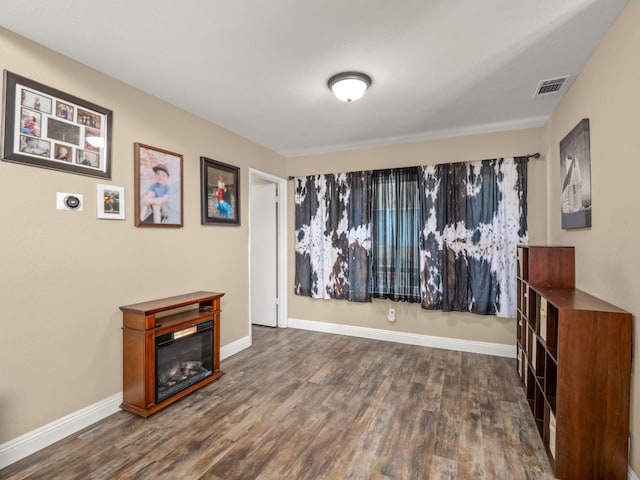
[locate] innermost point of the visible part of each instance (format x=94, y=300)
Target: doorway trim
x=281, y=247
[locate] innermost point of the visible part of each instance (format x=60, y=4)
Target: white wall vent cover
x=551, y=86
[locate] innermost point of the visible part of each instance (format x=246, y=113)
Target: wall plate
x=69, y=201
x=391, y=315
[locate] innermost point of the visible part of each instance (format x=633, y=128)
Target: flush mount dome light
x=349, y=86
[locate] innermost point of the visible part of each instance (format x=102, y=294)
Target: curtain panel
x=474, y=215
x=444, y=235
x=333, y=236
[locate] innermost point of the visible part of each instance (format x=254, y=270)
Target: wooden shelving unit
x=142, y=323
x=574, y=359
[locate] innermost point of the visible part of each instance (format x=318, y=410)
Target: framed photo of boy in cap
x=158, y=187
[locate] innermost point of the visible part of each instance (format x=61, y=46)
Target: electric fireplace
x=183, y=358
x=170, y=348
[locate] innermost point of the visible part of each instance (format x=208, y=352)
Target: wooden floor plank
x=308, y=405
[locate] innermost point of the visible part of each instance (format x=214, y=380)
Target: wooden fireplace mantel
x=141, y=323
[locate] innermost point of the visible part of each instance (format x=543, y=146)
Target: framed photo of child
x=110, y=201
x=220, y=192
x=158, y=187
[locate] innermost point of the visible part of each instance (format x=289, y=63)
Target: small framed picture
x=30, y=122
x=158, y=187
x=35, y=146
x=64, y=110
x=110, y=202
x=575, y=170
x=220, y=192
x=44, y=127
x=63, y=152
x=36, y=101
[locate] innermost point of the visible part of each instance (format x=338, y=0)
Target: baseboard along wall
x=497, y=349
x=23, y=446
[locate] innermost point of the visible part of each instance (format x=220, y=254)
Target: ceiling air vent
x=551, y=86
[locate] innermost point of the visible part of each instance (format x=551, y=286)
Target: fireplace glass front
x=183, y=358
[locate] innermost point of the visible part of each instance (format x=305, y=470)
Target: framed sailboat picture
x=575, y=174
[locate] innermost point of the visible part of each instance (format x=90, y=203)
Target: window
x=395, y=256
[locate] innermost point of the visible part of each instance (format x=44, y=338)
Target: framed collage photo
x=220, y=192
x=158, y=187
x=44, y=127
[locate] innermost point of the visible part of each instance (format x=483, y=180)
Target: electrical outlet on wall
x=391, y=316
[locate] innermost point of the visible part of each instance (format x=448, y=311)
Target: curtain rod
x=530, y=155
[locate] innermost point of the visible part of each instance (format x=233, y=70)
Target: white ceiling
x=259, y=68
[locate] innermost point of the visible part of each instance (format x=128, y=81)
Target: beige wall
x=608, y=93
x=64, y=274
x=410, y=317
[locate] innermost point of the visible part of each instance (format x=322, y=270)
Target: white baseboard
x=472, y=346
x=235, y=347
x=632, y=475
x=31, y=442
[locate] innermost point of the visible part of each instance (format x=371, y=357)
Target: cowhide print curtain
x=333, y=236
x=474, y=216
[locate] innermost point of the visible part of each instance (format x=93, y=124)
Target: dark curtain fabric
x=444, y=235
x=444, y=273
x=474, y=215
x=395, y=226
x=359, y=235
x=431, y=238
x=307, y=208
x=333, y=236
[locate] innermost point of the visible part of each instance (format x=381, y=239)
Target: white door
x=264, y=254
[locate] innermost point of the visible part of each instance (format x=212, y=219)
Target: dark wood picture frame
x=219, y=192
x=158, y=182
x=48, y=128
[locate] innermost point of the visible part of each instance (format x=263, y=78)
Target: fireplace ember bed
x=171, y=347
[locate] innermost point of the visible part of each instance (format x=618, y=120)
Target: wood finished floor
x=308, y=405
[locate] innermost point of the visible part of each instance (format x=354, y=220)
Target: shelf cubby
x=552, y=330
x=541, y=357
x=550, y=380
x=533, y=309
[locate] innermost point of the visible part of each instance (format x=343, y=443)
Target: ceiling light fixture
x=349, y=86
